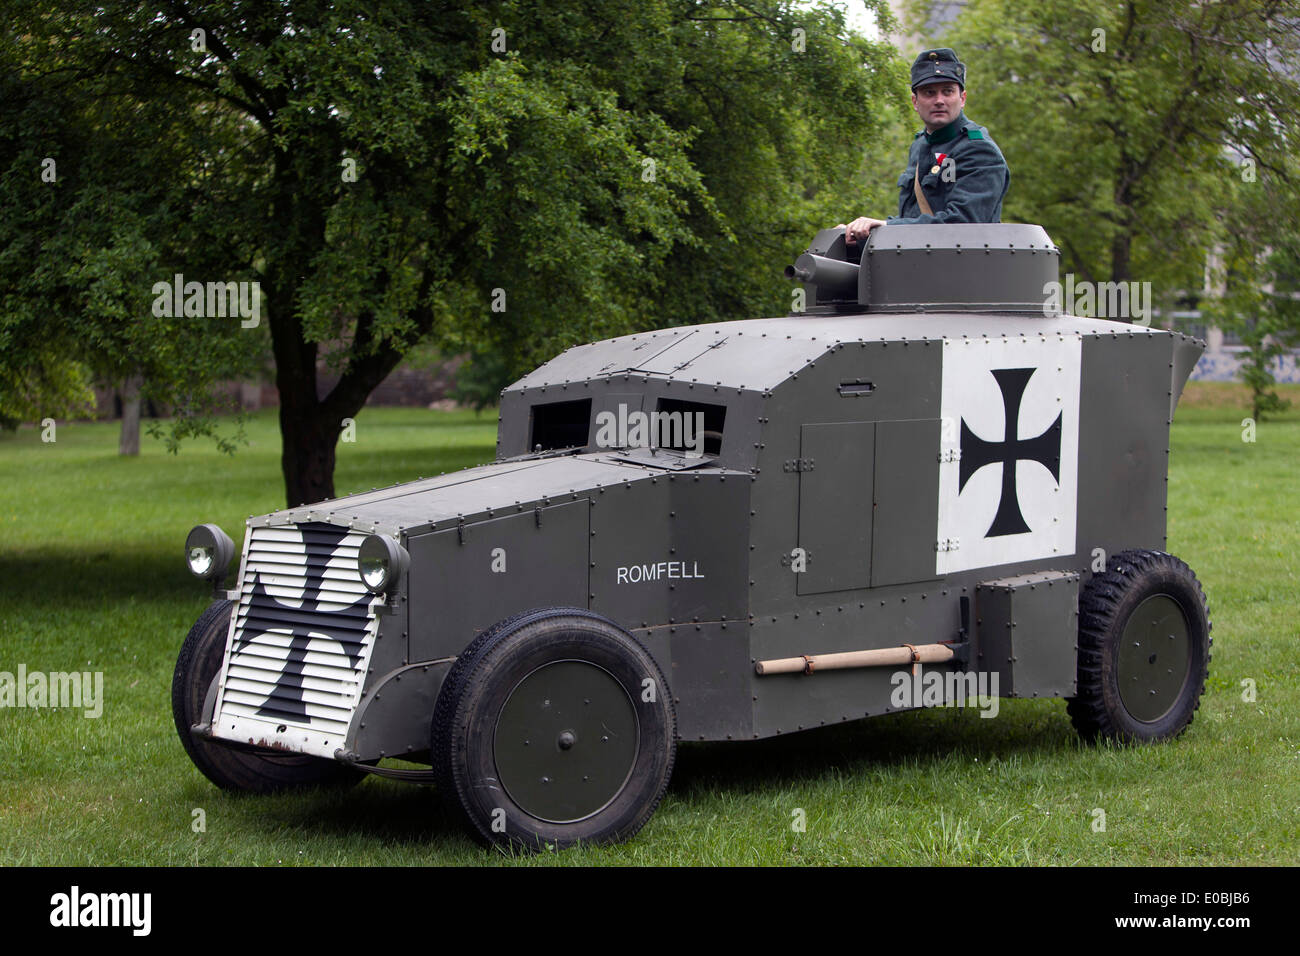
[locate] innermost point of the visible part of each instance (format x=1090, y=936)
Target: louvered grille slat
x=275, y=643
x=303, y=633
x=313, y=664
x=260, y=692
x=285, y=546
x=266, y=683
x=287, y=567
x=347, y=619
x=312, y=534
x=268, y=712
x=298, y=574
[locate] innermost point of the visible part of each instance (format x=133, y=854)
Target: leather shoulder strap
x=920, y=196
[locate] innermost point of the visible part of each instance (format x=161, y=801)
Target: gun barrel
x=834, y=278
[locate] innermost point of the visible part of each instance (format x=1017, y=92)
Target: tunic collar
x=945, y=133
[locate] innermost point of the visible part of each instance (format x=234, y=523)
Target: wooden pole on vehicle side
x=880, y=657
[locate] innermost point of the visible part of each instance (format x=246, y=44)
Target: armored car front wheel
x=1144, y=649
x=199, y=661
x=554, y=727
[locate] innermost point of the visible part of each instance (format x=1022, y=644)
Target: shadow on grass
x=917, y=740
x=397, y=814
x=375, y=811
x=63, y=578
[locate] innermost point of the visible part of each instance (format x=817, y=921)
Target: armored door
x=836, y=492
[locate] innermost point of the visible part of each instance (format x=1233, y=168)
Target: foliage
x=397, y=173
x=1115, y=118
x=100, y=199
x=479, y=381
x=1257, y=277
x=44, y=386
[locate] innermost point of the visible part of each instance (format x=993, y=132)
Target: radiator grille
x=302, y=637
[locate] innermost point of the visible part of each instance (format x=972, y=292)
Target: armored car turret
x=903, y=495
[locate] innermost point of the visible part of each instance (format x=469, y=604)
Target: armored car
x=901, y=495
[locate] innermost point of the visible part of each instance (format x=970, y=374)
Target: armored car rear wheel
x=554, y=727
x=198, y=663
x=1144, y=649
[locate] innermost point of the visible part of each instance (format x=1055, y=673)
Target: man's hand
x=860, y=228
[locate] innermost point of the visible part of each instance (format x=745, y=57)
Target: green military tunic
x=975, y=183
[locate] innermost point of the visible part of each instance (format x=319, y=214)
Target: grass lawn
x=90, y=556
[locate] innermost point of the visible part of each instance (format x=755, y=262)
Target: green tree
x=99, y=200
x=512, y=177
x=1115, y=118
x=1256, y=283
x=46, y=384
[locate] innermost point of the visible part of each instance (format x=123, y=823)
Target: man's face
x=938, y=104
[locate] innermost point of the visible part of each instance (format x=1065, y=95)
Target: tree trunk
x=129, y=441
x=1121, y=257
x=309, y=425
x=306, y=441
x=307, y=451
x=1121, y=244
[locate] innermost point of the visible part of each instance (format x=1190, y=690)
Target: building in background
x=942, y=15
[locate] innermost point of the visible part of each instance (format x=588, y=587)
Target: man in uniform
x=955, y=172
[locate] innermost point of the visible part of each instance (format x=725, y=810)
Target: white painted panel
x=980, y=526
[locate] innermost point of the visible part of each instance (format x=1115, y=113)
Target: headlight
x=208, y=551
x=380, y=562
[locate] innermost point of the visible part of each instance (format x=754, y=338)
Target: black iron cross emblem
x=267, y=614
x=976, y=452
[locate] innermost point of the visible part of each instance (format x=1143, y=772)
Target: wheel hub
x=566, y=741
x=1154, y=658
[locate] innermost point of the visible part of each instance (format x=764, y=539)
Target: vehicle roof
x=759, y=354
x=493, y=489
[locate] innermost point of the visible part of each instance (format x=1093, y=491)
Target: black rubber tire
x=199, y=661
x=1105, y=606
x=478, y=689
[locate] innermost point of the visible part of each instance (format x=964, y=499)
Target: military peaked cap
x=939, y=65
